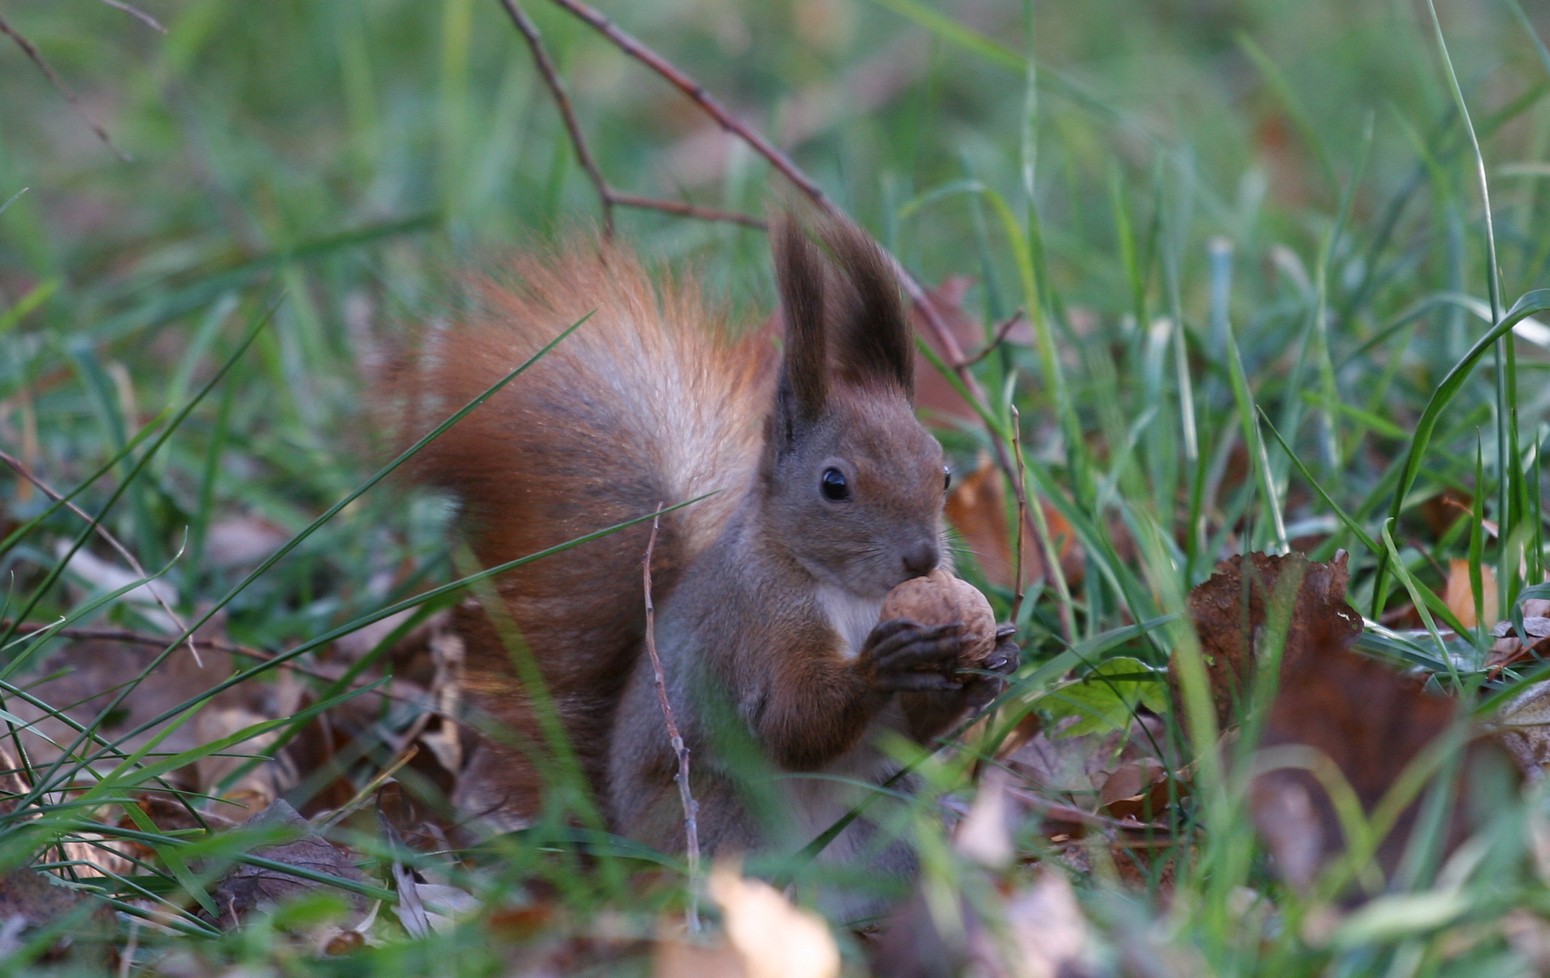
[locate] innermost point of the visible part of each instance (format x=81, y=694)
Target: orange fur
x=542, y=463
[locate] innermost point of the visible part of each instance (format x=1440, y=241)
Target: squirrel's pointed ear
x=873, y=343
x=803, y=394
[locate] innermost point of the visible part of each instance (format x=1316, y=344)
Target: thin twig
x=551, y=77
x=608, y=196
x=998, y=338
x=1040, y=524
x=137, y=14
x=102, y=531
x=36, y=57
x=699, y=96
x=783, y=164
x=685, y=209
x=691, y=807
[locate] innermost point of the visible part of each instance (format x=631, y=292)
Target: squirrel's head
x=852, y=484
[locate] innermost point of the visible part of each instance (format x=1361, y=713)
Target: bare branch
x=783, y=164
x=687, y=210
x=691, y=807
x=551, y=77
x=36, y=57
x=997, y=338
x=699, y=96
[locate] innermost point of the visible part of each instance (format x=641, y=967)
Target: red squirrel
x=822, y=491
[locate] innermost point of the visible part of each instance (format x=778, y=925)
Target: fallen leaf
x=1140, y=790
x=978, y=510
x=31, y=901
x=1033, y=929
x=1045, y=934
x=776, y=939
x=1459, y=594
x=765, y=937
x=1231, y=610
x=248, y=888
x=1523, y=727
x=242, y=541
x=1338, y=714
x=1509, y=650
x=985, y=832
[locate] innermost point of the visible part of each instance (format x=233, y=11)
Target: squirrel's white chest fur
x=851, y=616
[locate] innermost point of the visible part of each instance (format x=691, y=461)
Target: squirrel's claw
x=983, y=685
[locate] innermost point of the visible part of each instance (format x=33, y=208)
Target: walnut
x=939, y=598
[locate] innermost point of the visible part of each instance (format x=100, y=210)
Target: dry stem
x=137, y=14
x=691, y=807
x=36, y=57
x=608, y=197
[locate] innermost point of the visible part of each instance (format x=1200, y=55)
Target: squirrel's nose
x=922, y=558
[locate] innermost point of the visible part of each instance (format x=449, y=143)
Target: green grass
x=1272, y=255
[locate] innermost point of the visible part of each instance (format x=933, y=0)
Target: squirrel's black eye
x=947, y=478
x=834, y=485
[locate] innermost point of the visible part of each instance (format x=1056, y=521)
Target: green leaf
x=1106, y=698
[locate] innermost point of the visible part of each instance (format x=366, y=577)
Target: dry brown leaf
x=30, y=900
x=1336, y=714
x=1079, y=766
x=1510, y=650
x=247, y=888
x=1230, y=613
x=775, y=939
x=977, y=508
x=1370, y=724
x=1139, y=790
x=1523, y=727
x=764, y=937
x=1459, y=594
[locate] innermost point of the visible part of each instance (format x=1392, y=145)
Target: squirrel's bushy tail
x=649, y=402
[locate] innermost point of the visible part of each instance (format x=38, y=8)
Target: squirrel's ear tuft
x=799, y=274
x=871, y=340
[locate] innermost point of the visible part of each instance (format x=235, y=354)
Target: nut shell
x=939, y=598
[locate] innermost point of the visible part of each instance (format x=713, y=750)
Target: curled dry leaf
x=1523, y=727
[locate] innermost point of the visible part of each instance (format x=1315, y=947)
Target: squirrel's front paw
x=987, y=681
x=905, y=656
